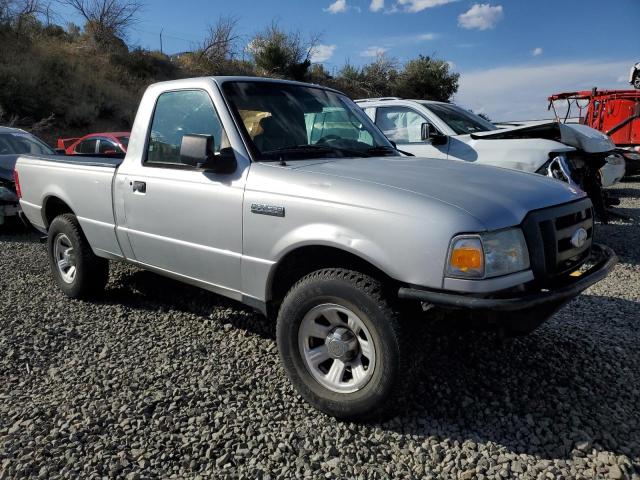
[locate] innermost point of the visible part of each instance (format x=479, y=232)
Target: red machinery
x=613, y=112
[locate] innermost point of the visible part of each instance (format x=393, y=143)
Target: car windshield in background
x=17, y=143
x=288, y=121
x=124, y=141
x=460, y=120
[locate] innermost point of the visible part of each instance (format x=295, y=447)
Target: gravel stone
x=159, y=379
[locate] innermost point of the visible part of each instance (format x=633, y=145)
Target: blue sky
x=511, y=54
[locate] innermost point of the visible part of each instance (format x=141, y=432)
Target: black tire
x=363, y=295
x=92, y=272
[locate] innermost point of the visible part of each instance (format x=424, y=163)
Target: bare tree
x=221, y=41
x=16, y=12
x=107, y=19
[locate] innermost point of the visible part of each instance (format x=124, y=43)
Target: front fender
x=327, y=235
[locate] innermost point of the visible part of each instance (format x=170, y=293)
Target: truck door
x=403, y=125
x=178, y=218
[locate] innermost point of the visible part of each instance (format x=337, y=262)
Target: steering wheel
x=326, y=138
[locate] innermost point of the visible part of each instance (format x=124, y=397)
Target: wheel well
x=53, y=207
x=301, y=261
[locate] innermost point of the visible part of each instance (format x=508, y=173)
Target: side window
x=177, y=114
x=87, y=146
x=371, y=113
x=400, y=124
x=107, y=146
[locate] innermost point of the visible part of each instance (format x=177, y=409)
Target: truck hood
x=575, y=135
x=496, y=197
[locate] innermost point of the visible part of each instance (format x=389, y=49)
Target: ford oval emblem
x=579, y=238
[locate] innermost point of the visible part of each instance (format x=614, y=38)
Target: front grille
x=549, y=232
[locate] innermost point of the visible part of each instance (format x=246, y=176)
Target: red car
x=105, y=143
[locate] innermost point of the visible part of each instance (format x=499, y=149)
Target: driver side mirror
x=197, y=151
x=429, y=133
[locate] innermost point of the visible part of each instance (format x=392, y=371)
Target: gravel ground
x=158, y=379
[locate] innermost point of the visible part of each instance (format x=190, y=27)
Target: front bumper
x=522, y=313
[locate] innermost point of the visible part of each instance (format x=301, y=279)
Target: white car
x=577, y=154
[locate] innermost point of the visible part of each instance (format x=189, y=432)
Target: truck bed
x=83, y=160
x=83, y=183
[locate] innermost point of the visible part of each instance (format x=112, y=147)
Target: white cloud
x=373, y=51
x=481, y=17
x=411, y=39
x=451, y=65
x=339, y=6
x=376, y=5
x=322, y=53
x=414, y=6
x=426, y=36
x=537, y=52
x=521, y=92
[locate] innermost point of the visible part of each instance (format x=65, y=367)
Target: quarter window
x=87, y=146
x=179, y=113
x=400, y=124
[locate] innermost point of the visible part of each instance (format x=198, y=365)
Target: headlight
x=488, y=255
x=466, y=257
x=559, y=168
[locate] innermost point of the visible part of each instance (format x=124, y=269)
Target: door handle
x=140, y=187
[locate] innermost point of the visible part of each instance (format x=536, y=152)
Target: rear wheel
x=76, y=269
x=342, y=345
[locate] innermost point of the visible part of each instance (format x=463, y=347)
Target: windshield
x=16, y=143
x=286, y=121
x=461, y=121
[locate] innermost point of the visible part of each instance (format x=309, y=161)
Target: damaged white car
x=574, y=153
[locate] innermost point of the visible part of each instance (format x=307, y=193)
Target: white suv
x=444, y=130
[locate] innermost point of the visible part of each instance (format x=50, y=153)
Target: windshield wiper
x=380, y=149
x=317, y=148
x=384, y=149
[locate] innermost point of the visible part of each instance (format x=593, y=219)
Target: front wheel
x=76, y=269
x=342, y=344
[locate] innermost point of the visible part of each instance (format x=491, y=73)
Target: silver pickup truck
x=286, y=197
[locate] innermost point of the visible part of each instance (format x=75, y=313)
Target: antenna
x=161, y=30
